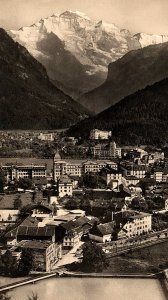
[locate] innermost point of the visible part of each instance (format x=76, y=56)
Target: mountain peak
x=76, y=13
x=77, y=50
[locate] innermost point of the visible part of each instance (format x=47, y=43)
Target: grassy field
x=145, y=260
x=7, y=201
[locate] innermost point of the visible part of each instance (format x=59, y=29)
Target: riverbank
x=151, y=259
x=163, y=278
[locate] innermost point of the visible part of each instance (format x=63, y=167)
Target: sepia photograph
x=83, y=149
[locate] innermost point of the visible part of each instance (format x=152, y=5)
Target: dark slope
x=141, y=118
x=28, y=100
x=133, y=72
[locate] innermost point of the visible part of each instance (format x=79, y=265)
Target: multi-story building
x=45, y=254
x=110, y=150
x=110, y=175
x=64, y=187
x=133, y=223
x=131, y=169
x=160, y=175
x=46, y=137
x=78, y=168
x=24, y=171
x=96, y=134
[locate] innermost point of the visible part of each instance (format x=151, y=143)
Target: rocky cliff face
x=133, y=72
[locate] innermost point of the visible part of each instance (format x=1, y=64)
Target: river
x=92, y=289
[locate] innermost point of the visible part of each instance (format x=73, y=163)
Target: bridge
x=27, y=281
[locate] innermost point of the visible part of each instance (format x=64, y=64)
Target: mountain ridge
x=28, y=100
x=140, y=118
x=134, y=71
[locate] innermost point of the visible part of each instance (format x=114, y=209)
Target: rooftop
x=35, y=244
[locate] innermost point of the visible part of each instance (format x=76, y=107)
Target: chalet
x=39, y=211
x=70, y=233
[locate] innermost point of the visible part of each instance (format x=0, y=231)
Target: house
x=38, y=211
x=70, y=233
x=46, y=254
x=102, y=233
x=119, y=205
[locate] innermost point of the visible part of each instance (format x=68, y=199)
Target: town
x=111, y=196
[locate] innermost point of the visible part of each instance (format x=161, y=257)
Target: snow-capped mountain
x=76, y=50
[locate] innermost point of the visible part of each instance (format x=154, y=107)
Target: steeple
x=57, y=156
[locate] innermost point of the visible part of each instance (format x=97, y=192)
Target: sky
x=149, y=16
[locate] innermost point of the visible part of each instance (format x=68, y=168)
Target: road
x=69, y=258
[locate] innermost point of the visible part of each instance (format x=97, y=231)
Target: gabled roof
x=82, y=221
x=29, y=208
x=29, y=221
x=42, y=245
x=103, y=229
x=36, y=231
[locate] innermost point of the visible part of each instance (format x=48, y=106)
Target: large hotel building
x=24, y=171
x=78, y=167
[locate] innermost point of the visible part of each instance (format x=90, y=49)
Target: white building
x=114, y=150
x=166, y=204
x=138, y=171
x=46, y=137
x=24, y=171
x=64, y=187
x=160, y=175
x=78, y=168
x=135, y=223
x=96, y=134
